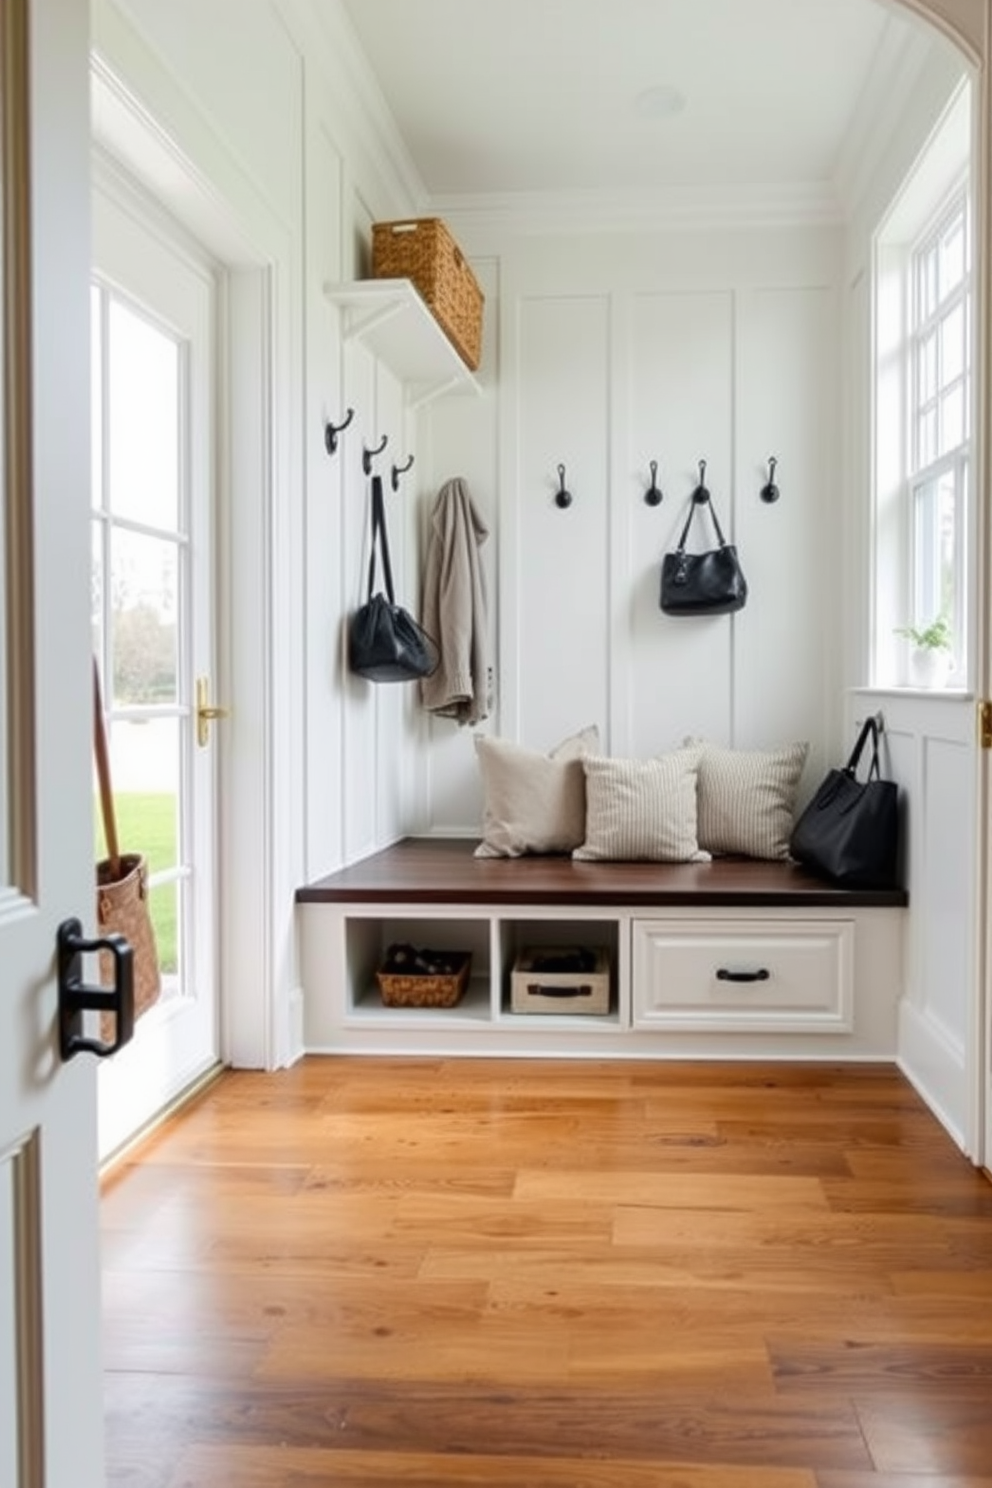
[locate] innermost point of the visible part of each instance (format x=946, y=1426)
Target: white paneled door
x=153, y=302
x=50, y=1380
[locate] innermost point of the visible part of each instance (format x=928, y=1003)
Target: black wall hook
x=701, y=494
x=369, y=454
x=563, y=498
x=399, y=470
x=331, y=432
x=770, y=491
x=652, y=495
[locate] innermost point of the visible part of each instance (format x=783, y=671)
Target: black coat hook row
x=368, y=455
x=770, y=491
x=653, y=495
x=331, y=432
x=563, y=497
x=399, y=470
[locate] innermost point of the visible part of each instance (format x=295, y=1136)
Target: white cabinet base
x=812, y=984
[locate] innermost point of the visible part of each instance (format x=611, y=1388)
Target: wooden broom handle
x=103, y=775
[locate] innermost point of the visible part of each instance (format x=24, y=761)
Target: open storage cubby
x=516, y=934
x=368, y=938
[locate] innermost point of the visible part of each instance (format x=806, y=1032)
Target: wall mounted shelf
x=391, y=319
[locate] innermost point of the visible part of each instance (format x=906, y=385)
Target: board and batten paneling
x=676, y=672
x=360, y=751
x=929, y=748
x=786, y=642
x=459, y=436
x=554, y=624
x=324, y=572
x=675, y=349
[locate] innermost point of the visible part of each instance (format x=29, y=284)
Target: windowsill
x=904, y=690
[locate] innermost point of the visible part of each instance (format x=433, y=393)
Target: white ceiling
x=496, y=97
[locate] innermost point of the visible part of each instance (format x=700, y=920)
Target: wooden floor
x=549, y=1275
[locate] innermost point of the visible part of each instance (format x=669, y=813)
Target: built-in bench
x=729, y=958
x=431, y=870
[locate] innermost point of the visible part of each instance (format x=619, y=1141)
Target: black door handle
x=76, y=997
x=723, y=975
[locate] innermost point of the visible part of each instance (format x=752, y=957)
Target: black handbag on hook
x=385, y=643
x=710, y=583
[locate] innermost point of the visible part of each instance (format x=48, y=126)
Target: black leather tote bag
x=385, y=643
x=849, y=832
x=710, y=583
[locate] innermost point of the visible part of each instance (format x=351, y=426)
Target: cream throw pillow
x=746, y=799
x=532, y=802
x=642, y=810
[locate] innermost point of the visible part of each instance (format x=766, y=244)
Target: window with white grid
x=939, y=423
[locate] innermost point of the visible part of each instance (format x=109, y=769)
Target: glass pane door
x=140, y=573
x=153, y=308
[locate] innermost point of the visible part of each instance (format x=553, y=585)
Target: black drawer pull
x=723, y=975
x=535, y=989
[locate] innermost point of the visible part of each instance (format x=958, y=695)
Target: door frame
x=258, y=563
x=146, y=261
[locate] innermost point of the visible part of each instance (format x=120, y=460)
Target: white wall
x=614, y=351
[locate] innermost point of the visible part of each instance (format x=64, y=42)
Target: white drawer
x=768, y=976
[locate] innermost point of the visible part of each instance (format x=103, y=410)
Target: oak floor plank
x=695, y=1191
x=209, y=1467
x=923, y=1431
x=599, y=1274
x=862, y=1367
x=749, y=1430
x=902, y=1480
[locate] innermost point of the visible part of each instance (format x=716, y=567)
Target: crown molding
x=527, y=214
x=900, y=62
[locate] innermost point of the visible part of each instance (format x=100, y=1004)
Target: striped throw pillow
x=641, y=810
x=746, y=799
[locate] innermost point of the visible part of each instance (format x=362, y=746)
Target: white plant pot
x=929, y=668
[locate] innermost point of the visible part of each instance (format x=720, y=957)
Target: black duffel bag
x=385, y=642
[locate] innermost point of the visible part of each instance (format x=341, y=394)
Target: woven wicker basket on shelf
x=420, y=989
x=423, y=250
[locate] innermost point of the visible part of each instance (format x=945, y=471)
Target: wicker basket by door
x=121, y=890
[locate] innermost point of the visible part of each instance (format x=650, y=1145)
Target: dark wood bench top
x=433, y=870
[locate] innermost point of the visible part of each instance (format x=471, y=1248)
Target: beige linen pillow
x=642, y=810
x=533, y=802
x=746, y=799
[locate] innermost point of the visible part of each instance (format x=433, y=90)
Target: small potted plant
x=930, y=657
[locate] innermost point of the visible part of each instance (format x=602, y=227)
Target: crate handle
x=537, y=989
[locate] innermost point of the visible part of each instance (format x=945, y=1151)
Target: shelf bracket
x=434, y=390
x=361, y=325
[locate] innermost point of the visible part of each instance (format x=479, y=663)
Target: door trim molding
x=164, y=145
x=20, y=1164
x=19, y=855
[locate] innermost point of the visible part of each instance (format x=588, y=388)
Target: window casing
x=939, y=422
x=923, y=555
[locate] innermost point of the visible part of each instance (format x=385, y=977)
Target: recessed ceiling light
x=660, y=102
